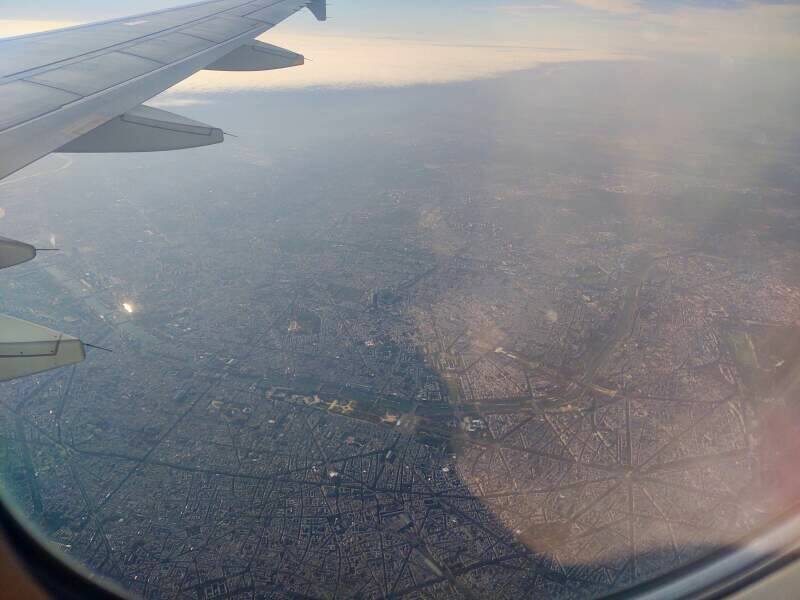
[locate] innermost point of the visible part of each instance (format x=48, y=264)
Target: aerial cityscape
x=472, y=340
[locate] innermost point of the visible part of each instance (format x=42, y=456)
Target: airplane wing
x=57, y=86
x=82, y=89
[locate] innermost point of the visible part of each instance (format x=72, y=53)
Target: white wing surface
x=57, y=86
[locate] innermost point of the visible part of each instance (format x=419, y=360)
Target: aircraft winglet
x=319, y=8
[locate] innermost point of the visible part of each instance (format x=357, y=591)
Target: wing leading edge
x=82, y=89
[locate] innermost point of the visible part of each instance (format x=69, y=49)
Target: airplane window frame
x=720, y=574
x=729, y=569
x=57, y=575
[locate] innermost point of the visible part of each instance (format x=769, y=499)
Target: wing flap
x=168, y=48
x=221, y=29
x=96, y=74
x=146, y=129
x=241, y=11
x=21, y=56
x=275, y=14
x=22, y=100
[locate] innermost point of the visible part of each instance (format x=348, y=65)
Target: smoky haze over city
x=531, y=334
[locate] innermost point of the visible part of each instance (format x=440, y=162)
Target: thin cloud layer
x=345, y=61
x=494, y=37
x=612, y=6
x=359, y=62
x=14, y=27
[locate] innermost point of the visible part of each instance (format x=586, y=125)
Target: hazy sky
x=383, y=42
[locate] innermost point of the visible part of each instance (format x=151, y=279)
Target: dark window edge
x=729, y=569
x=717, y=575
x=59, y=576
